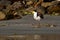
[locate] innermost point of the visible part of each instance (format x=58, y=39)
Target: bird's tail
x=41, y=15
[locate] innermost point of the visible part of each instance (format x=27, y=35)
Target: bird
x=37, y=16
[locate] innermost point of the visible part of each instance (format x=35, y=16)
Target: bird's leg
x=34, y=24
x=38, y=23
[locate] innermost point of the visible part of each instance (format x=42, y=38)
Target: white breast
x=36, y=17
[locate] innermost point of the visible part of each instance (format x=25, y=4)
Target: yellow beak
x=32, y=12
